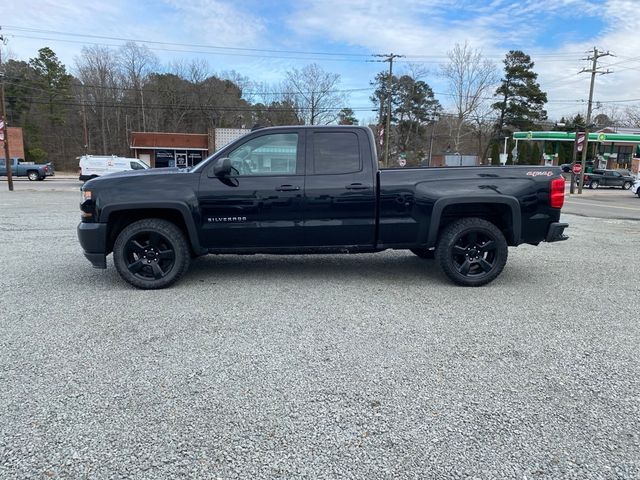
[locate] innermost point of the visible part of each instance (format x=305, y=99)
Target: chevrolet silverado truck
x=33, y=171
x=608, y=178
x=309, y=189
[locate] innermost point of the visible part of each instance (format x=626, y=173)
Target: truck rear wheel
x=33, y=175
x=151, y=253
x=471, y=252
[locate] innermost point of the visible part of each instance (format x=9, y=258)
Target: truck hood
x=110, y=177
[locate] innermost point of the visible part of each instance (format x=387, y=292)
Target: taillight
x=46, y=169
x=557, y=192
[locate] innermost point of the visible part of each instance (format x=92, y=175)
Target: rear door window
x=336, y=153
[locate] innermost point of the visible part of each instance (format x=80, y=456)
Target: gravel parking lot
x=363, y=366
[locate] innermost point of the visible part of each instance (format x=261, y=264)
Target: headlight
x=85, y=195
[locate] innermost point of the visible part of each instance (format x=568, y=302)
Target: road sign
x=580, y=141
x=577, y=168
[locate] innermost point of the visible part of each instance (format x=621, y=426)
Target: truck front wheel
x=151, y=253
x=471, y=252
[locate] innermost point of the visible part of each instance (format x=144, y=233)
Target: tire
x=424, y=253
x=151, y=254
x=33, y=175
x=626, y=185
x=471, y=252
x=594, y=184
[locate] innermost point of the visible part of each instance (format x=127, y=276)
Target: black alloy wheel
x=626, y=185
x=472, y=251
x=594, y=184
x=151, y=254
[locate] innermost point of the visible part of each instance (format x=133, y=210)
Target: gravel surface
x=362, y=366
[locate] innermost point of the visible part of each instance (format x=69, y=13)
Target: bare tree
x=631, y=117
x=315, y=93
x=136, y=63
x=97, y=71
x=470, y=79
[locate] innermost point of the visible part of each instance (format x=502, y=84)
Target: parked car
x=92, y=166
x=33, y=171
x=316, y=190
x=608, y=178
x=635, y=188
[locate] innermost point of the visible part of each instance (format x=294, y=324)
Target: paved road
x=604, y=203
x=56, y=183
x=362, y=366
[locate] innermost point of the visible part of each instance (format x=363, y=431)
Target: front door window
x=274, y=154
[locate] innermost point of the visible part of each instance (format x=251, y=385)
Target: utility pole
x=434, y=119
x=387, y=130
x=593, y=71
x=3, y=120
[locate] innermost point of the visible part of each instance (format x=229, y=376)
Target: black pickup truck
x=316, y=190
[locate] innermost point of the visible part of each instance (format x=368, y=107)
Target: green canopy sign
x=571, y=137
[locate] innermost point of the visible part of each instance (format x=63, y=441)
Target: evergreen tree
x=52, y=80
x=495, y=154
x=347, y=117
x=524, y=153
x=522, y=101
x=535, y=157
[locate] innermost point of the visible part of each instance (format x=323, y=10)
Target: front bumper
x=93, y=239
x=556, y=232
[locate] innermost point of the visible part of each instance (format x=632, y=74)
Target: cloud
x=218, y=22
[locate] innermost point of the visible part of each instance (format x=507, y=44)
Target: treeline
x=113, y=92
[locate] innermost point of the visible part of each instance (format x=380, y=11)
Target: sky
x=264, y=39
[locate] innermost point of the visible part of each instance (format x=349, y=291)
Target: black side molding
x=556, y=232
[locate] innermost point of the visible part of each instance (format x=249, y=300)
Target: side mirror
x=222, y=167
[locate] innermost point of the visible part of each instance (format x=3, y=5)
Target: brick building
x=16, y=143
x=159, y=149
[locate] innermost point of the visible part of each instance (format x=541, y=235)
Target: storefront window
x=165, y=158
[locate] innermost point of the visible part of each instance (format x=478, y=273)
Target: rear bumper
x=556, y=232
x=93, y=239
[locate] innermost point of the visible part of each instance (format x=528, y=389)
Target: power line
x=253, y=55
x=155, y=42
x=20, y=82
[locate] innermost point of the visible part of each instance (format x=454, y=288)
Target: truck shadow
x=356, y=266
x=396, y=268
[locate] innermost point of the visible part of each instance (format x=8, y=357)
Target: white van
x=92, y=166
